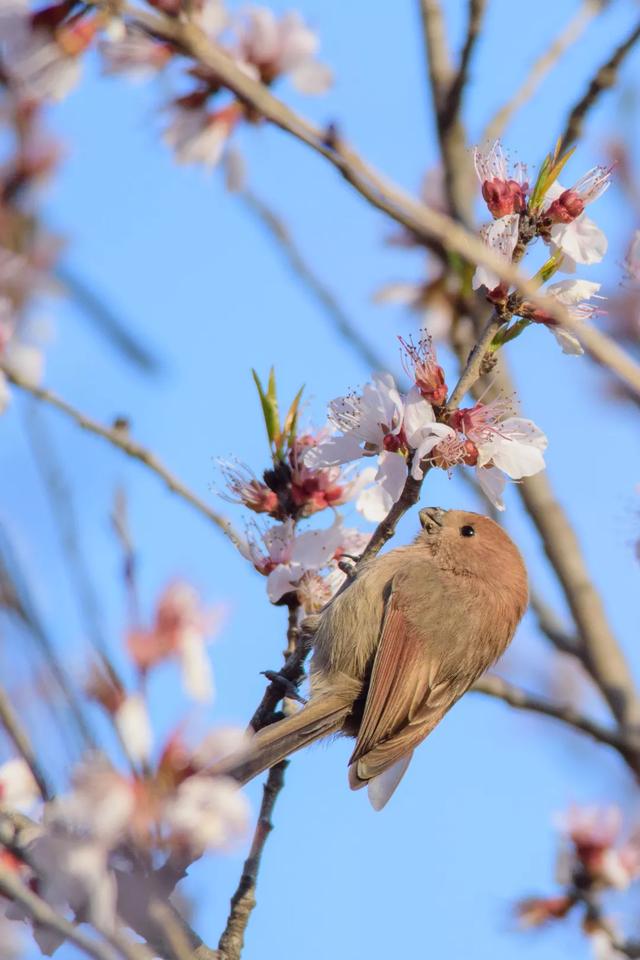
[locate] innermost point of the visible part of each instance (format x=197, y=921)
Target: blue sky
x=198, y=280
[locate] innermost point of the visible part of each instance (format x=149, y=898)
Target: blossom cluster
x=165, y=804
x=406, y=434
x=592, y=859
x=521, y=213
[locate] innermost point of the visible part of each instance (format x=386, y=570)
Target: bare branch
x=552, y=627
x=451, y=106
x=120, y=438
x=543, y=65
x=22, y=743
x=244, y=899
x=496, y=687
x=603, y=80
x=601, y=653
x=436, y=47
x=305, y=273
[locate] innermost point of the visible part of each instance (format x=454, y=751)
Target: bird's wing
x=404, y=702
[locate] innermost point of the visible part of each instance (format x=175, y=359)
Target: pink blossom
x=180, y=629
x=592, y=844
x=199, y=136
x=134, y=54
x=285, y=46
x=503, y=195
x=577, y=237
x=421, y=365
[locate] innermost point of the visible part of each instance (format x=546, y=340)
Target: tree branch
x=244, y=899
x=571, y=33
x=22, y=743
x=120, y=438
x=515, y=697
x=603, y=80
x=451, y=107
x=301, y=268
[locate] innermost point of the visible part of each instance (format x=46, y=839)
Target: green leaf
x=291, y=420
x=269, y=406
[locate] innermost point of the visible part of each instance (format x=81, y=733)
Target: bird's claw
x=288, y=686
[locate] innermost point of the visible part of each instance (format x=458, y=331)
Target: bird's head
x=473, y=545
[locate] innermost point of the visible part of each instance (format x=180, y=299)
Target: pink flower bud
x=566, y=208
x=504, y=197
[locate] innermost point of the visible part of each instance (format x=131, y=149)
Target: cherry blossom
x=276, y=47
x=501, y=236
x=134, y=54
x=503, y=194
x=199, y=136
x=369, y=423
x=180, y=629
x=284, y=556
x=421, y=365
x=575, y=296
x=572, y=233
x=590, y=844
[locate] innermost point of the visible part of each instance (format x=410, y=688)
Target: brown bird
x=400, y=644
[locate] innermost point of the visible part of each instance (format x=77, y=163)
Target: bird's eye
x=467, y=531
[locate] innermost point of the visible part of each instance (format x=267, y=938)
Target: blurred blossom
x=206, y=813
x=18, y=789
x=277, y=47
x=591, y=848
x=134, y=54
x=538, y=911
x=199, y=136
x=180, y=630
x=134, y=727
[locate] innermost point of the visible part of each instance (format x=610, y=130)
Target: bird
x=398, y=646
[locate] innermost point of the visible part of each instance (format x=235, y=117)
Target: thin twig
x=569, y=35
x=452, y=103
x=104, y=317
x=446, y=103
x=502, y=690
x=21, y=742
x=318, y=289
x=41, y=913
x=64, y=517
x=603, y=80
x=552, y=626
x=244, y=899
x=120, y=438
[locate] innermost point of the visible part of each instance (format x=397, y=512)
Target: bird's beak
x=431, y=515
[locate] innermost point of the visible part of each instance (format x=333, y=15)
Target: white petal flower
x=574, y=294
x=492, y=483
x=375, y=502
x=516, y=448
x=581, y=241
x=197, y=136
x=502, y=237
x=197, y=675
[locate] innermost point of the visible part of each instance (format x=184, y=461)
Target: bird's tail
x=319, y=718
